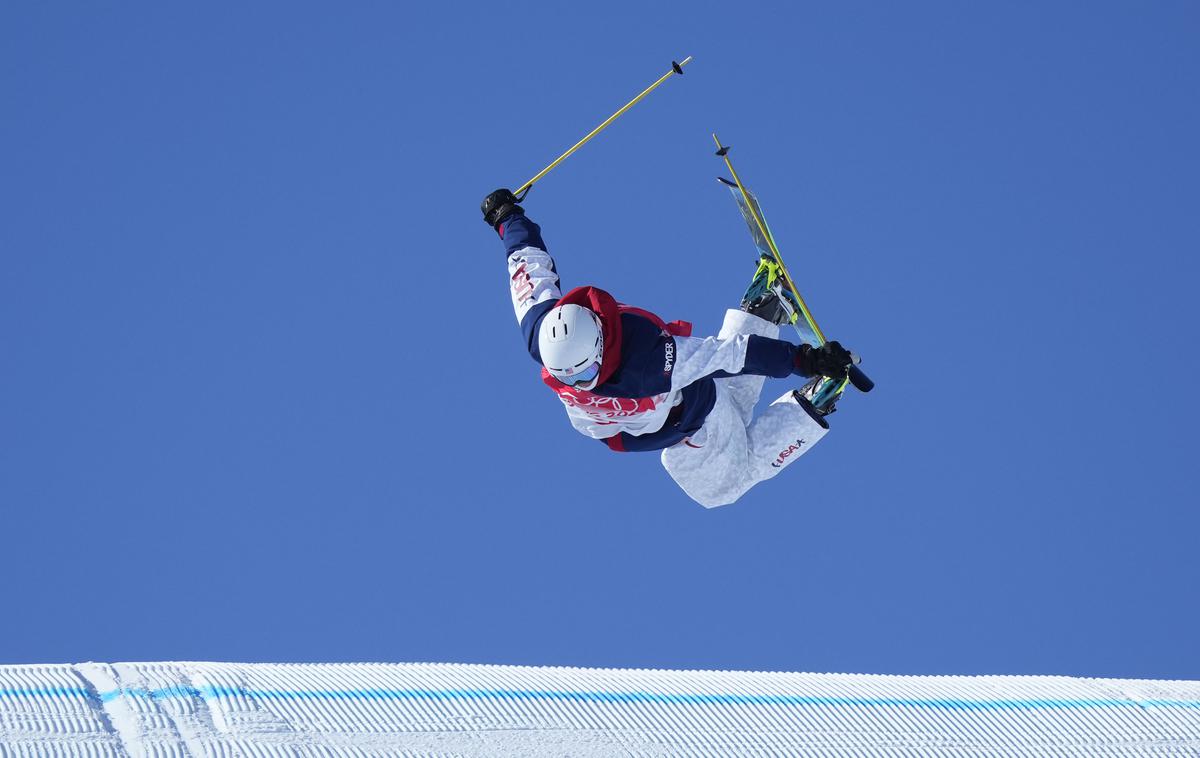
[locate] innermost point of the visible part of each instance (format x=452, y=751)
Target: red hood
x=603, y=305
x=609, y=310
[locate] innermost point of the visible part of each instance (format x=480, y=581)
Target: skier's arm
x=715, y=358
x=712, y=357
x=532, y=278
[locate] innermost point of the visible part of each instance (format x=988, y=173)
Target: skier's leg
x=725, y=459
x=786, y=430
x=706, y=465
x=743, y=391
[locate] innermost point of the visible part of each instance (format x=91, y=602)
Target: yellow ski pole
x=762, y=227
x=676, y=68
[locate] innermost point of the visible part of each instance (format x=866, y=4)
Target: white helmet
x=571, y=343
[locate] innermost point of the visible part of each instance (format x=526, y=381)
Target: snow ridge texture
x=230, y=709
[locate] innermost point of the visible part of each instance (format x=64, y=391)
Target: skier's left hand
x=831, y=360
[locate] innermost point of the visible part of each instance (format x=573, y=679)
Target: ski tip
x=726, y=182
x=677, y=68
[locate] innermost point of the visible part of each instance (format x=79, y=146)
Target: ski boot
x=767, y=298
x=821, y=393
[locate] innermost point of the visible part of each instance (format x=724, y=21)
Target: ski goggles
x=580, y=377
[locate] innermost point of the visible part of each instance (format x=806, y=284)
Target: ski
x=802, y=321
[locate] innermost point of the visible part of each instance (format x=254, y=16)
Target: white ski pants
x=734, y=451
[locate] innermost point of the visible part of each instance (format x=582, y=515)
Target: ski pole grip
x=861, y=381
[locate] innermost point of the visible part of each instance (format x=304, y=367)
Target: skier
x=638, y=384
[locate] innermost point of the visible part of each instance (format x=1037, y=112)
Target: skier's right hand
x=498, y=206
x=831, y=360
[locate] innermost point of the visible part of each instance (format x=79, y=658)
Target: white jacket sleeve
x=531, y=279
x=698, y=357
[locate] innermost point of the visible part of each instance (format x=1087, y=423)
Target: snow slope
x=229, y=709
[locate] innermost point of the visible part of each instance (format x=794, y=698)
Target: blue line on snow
x=635, y=698
x=45, y=692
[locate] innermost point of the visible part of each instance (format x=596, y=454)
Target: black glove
x=498, y=206
x=831, y=360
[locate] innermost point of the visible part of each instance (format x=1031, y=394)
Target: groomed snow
x=230, y=709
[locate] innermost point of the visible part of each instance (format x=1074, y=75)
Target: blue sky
x=262, y=396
